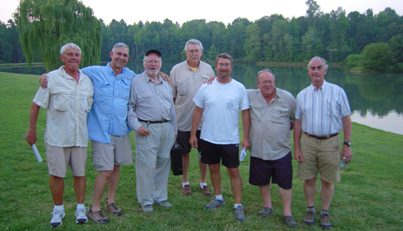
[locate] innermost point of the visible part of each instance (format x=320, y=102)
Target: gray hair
x=117, y=45
x=321, y=59
x=72, y=45
x=265, y=70
x=193, y=41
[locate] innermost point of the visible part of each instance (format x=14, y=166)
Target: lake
x=376, y=100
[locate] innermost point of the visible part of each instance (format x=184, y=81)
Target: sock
x=219, y=197
x=311, y=208
x=237, y=205
x=185, y=183
x=80, y=206
x=202, y=184
x=58, y=207
x=324, y=211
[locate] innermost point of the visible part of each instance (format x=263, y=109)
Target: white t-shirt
x=221, y=104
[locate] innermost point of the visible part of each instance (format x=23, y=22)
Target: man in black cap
x=152, y=115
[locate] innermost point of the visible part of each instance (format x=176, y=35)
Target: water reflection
x=375, y=99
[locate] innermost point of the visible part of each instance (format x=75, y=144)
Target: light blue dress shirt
x=111, y=97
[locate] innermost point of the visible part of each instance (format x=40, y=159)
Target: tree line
x=373, y=41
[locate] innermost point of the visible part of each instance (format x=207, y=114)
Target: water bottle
x=343, y=163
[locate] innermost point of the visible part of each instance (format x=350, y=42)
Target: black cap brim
x=153, y=52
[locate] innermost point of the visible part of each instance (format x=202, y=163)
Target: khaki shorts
x=59, y=158
x=321, y=156
x=118, y=152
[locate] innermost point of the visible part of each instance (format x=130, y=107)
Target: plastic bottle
x=343, y=163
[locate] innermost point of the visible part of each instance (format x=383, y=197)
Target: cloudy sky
x=212, y=10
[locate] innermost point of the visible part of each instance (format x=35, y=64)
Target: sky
x=225, y=11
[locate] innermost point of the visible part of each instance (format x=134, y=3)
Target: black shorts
x=183, y=140
x=280, y=171
x=213, y=153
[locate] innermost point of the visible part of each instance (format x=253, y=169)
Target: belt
x=321, y=137
x=154, y=122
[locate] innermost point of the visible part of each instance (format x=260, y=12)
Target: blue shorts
x=213, y=153
x=280, y=171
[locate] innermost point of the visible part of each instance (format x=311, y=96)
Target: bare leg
x=56, y=185
x=286, y=196
x=265, y=192
x=236, y=184
x=79, y=188
x=326, y=193
x=99, y=188
x=310, y=191
x=185, y=167
x=215, y=175
x=113, y=183
x=203, y=171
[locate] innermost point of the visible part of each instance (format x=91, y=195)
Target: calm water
x=375, y=99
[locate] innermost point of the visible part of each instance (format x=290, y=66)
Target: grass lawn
x=367, y=198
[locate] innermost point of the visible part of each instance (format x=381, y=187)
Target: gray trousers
x=153, y=162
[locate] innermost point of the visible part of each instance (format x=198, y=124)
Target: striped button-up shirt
x=321, y=110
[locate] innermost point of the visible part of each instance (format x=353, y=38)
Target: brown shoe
x=186, y=190
x=205, y=190
x=112, y=208
x=97, y=216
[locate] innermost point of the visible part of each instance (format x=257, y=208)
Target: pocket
x=61, y=102
x=182, y=88
x=101, y=92
x=231, y=104
x=87, y=103
x=256, y=111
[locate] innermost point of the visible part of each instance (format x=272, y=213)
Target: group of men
x=202, y=116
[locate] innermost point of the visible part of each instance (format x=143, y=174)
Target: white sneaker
x=81, y=218
x=57, y=217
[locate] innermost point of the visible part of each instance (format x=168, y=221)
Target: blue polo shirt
x=111, y=97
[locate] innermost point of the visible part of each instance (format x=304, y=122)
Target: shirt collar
x=112, y=72
x=322, y=88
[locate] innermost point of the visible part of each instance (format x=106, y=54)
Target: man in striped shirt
x=322, y=112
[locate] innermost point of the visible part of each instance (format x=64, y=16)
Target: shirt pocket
x=87, y=103
x=332, y=108
x=231, y=104
x=183, y=87
x=256, y=111
x=167, y=102
x=101, y=91
x=61, y=101
x=122, y=89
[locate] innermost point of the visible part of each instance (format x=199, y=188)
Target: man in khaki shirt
x=187, y=78
x=272, y=114
x=68, y=99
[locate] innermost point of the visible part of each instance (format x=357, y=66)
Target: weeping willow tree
x=46, y=25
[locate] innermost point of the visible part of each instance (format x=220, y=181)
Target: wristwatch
x=348, y=143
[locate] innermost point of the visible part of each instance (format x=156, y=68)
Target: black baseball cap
x=153, y=52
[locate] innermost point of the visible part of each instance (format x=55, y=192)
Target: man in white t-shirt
x=219, y=104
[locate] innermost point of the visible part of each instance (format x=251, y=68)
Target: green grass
x=369, y=197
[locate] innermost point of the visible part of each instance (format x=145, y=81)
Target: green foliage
x=272, y=38
x=353, y=60
x=46, y=25
x=396, y=45
x=377, y=57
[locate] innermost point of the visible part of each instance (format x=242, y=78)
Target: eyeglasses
x=193, y=51
x=266, y=82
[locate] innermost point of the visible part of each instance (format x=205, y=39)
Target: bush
x=377, y=57
x=353, y=61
